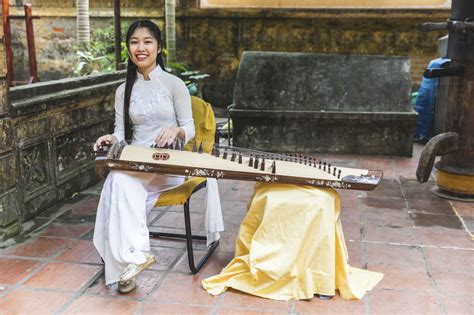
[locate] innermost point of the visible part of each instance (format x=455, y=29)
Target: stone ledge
x=334, y=115
x=32, y=99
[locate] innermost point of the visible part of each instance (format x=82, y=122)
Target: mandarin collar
x=153, y=74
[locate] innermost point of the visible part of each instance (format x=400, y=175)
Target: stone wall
x=46, y=143
x=9, y=195
x=55, y=32
x=212, y=40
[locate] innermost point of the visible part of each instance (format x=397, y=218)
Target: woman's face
x=143, y=50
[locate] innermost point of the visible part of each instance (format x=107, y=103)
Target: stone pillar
x=9, y=207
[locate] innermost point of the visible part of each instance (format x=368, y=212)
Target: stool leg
x=189, y=237
x=189, y=243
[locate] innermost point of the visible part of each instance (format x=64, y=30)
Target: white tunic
x=121, y=234
x=163, y=101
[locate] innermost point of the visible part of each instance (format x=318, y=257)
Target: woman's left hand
x=167, y=136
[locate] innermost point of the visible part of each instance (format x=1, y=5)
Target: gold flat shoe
x=127, y=286
x=133, y=270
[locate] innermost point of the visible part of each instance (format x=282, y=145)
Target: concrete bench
x=323, y=103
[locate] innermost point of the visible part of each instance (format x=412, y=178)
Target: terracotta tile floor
x=421, y=243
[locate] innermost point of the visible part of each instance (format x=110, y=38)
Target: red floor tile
x=352, y=230
x=176, y=220
x=403, y=302
x=81, y=252
x=453, y=284
x=387, y=217
x=175, y=308
x=393, y=254
x=463, y=208
x=183, y=265
x=388, y=188
x=436, y=221
x=240, y=300
x=405, y=167
x=442, y=237
x=353, y=249
x=350, y=215
x=146, y=281
x=88, y=203
x=102, y=305
x=63, y=276
x=14, y=270
x=240, y=311
x=41, y=247
x=233, y=207
x=227, y=241
x=387, y=234
x=336, y=305
x=217, y=262
x=166, y=242
x=183, y=288
x=232, y=222
x=397, y=204
x=413, y=190
x=457, y=261
x=383, y=214
x=349, y=202
x=459, y=305
x=433, y=205
x=25, y=301
x=83, y=210
x=68, y=230
x=166, y=257
x=408, y=278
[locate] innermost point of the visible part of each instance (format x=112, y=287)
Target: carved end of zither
x=439, y=145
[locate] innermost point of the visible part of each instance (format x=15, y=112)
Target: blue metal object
x=425, y=103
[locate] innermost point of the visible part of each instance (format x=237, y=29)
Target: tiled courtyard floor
x=420, y=242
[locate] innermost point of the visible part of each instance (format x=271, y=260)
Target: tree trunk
x=170, y=24
x=83, y=27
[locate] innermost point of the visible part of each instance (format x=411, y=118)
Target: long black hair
x=132, y=68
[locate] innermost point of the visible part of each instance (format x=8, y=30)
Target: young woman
x=157, y=105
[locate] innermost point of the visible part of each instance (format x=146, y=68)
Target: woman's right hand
x=104, y=140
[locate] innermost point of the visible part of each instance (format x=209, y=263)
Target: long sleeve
x=183, y=109
x=161, y=102
x=119, y=130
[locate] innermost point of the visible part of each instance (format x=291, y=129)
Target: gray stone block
x=323, y=103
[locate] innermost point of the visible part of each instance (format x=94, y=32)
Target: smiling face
x=143, y=49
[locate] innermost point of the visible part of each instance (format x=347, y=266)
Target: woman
x=157, y=105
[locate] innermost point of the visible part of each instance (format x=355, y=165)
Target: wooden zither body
x=237, y=164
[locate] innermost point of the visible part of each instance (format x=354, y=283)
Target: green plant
x=99, y=55
x=190, y=77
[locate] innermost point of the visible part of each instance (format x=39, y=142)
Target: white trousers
x=121, y=234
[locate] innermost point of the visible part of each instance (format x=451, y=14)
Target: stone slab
x=323, y=103
x=305, y=81
x=7, y=172
x=9, y=210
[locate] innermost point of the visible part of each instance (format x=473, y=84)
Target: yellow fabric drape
x=204, y=123
x=291, y=246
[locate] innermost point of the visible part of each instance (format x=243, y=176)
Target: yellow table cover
x=291, y=246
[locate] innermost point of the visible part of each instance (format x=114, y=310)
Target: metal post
x=118, y=35
x=30, y=36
